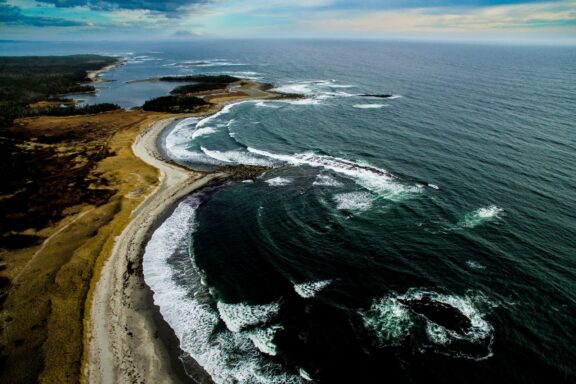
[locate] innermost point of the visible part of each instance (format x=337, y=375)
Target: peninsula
x=86, y=187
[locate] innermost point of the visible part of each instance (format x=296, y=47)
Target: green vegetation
x=178, y=102
x=222, y=79
x=174, y=104
x=200, y=87
x=32, y=86
x=74, y=110
x=29, y=79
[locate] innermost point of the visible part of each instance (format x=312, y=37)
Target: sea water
x=461, y=186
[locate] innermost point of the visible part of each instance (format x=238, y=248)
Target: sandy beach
x=123, y=343
x=126, y=339
x=94, y=76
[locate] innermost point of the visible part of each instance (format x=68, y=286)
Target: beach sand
x=94, y=76
x=124, y=344
x=126, y=339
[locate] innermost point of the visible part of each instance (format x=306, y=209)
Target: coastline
x=79, y=217
x=88, y=206
x=123, y=333
x=94, y=76
x=125, y=336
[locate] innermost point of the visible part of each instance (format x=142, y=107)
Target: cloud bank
x=296, y=18
x=12, y=15
x=170, y=7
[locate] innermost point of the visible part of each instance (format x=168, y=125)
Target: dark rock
x=440, y=313
x=381, y=96
x=243, y=172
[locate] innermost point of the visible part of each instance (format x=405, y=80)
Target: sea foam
x=480, y=216
x=480, y=329
x=372, y=178
x=227, y=356
x=354, y=201
x=278, y=181
x=310, y=289
x=388, y=321
x=370, y=106
x=391, y=322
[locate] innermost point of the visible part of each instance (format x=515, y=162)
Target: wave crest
x=310, y=289
x=480, y=216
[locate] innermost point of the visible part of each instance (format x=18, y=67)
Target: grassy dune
x=70, y=186
x=42, y=317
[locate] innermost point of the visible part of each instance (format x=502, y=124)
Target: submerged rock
x=440, y=313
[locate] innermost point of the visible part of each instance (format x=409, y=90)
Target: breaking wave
x=314, y=90
x=263, y=339
x=178, y=140
x=278, y=181
x=309, y=290
x=480, y=216
x=235, y=157
x=238, y=317
x=370, y=106
x=202, y=132
x=228, y=355
x=474, y=264
x=391, y=323
x=354, y=201
x=326, y=181
x=263, y=104
x=374, y=179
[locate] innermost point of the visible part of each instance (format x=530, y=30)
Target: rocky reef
x=440, y=313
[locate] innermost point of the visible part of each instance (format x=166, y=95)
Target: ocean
x=460, y=186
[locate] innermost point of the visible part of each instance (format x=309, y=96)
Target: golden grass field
x=89, y=181
x=42, y=318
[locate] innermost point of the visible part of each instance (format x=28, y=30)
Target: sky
x=497, y=20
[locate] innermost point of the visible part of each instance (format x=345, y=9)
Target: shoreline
x=126, y=337
x=123, y=334
x=94, y=76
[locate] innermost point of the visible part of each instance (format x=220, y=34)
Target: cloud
x=546, y=16
x=408, y=4
x=12, y=15
x=171, y=8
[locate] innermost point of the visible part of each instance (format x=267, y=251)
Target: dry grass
x=94, y=183
x=42, y=318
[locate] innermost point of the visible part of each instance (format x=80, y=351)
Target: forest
x=27, y=80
